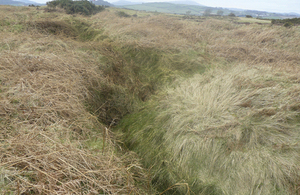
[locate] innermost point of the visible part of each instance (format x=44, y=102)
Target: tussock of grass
x=228, y=132
x=55, y=27
x=70, y=27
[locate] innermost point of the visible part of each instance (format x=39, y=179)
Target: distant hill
x=185, y=3
x=122, y=3
x=293, y=13
x=101, y=2
x=18, y=3
x=31, y=2
x=10, y=2
x=178, y=8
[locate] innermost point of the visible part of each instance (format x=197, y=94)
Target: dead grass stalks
x=49, y=142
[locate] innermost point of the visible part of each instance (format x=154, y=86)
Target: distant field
x=148, y=12
x=199, y=10
x=254, y=20
x=168, y=8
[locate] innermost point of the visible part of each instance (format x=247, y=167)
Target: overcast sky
x=263, y=5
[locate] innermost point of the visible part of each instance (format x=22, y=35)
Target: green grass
x=227, y=132
x=136, y=73
x=130, y=12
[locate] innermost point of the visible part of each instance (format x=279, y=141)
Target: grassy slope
x=66, y=80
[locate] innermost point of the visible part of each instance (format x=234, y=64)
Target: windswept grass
x=226, y=132
x=232, y=131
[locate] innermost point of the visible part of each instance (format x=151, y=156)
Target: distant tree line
x=208, y=12
x=84, y=7
x=287, y=22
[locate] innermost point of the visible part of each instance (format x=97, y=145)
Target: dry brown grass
x=49, y=142
x=253, y=43
x=45, y=126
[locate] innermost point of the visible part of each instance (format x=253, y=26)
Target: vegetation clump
x=220, y=12
x=123, y=14
x=231, y=15
x=207, y=12
x=287, y=22
x=84, y=7
x=71, y=27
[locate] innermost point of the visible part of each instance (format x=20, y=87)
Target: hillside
x=122, y=3
x=101, y=2
x=185, y=3
x=11, y=2
x=31, y=2
x=129, y=102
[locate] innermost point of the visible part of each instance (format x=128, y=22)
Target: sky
x=262, y=5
